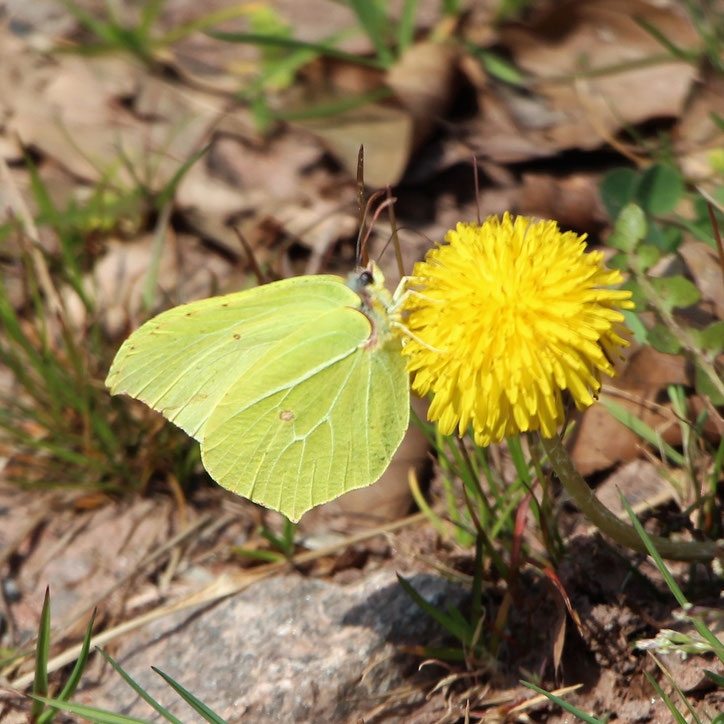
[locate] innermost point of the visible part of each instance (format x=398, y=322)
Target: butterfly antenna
x=477, y=187
x=361, y=205
x=395, y=237
x=385, y=204
x=250, y=256
x=363, y=257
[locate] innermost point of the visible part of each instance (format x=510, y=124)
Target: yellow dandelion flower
x=505, y=316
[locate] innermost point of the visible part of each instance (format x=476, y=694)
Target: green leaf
x=637, y=294
x=700, y=229
x=647, y=256
x=618, y=188
x=711, y=338
x=340, y=104
x=665, y=238
x=632, y=320
x=660, y=189
x=629, y=229
x=660, y=337
x=167, y=192
x=149, y=15
x=705, y=387
x=618, y=261
x=676, y=291
x=689, y=56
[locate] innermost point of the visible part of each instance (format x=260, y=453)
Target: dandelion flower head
x=505, y=316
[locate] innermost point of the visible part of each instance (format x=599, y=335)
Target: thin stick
x=253, y=263
x=477, y=187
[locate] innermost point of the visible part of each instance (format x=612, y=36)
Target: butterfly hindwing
x=312, y=419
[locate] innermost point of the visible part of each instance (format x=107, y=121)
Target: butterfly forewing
x=182, y=362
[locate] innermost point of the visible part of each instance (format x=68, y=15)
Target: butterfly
x=296, y=390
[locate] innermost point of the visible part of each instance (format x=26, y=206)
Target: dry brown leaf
x=187, y=271
x=706, y=273
x=583, y=113
x=558, y=628
x=599, y=441
x=318, y=226
x=385, y=132
x=496, y=135
x=573, y=201
x=697, y=134
x=647, y=371
x=75, y=110
x=642, y=486
x=423, y=79
x=68, y=108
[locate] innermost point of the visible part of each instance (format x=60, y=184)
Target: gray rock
x=287, y=649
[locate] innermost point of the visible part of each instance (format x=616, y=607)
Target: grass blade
x=335, y=107
x=138, y=689
x=40, y=683
x=196, y=704
x=688, y=56
x=563, y=704
x=694, y=718
x=644, y=431
x=718, y=679
x=665, y=698
x=373, y=22
x=406, y=28
x=678, y=594
x=74, y=679
x=149, y=14
x=463, y=633
x=293, y=44
x=91, y=713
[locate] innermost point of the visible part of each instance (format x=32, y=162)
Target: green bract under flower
x=505, y=316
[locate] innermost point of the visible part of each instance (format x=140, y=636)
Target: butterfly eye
x=365, y=278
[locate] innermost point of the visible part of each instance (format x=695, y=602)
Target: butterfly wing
x=184, y=361
x=318, y=414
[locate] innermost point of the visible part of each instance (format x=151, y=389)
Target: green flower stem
x=608, y=523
